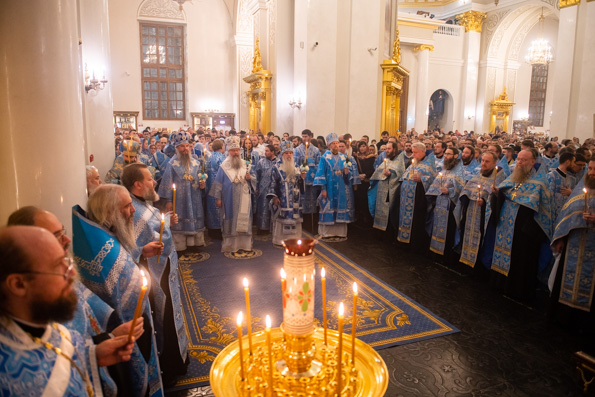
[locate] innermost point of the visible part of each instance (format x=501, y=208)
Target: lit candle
x=174, y=200
x=248, y=317
x=240, y=346
x=586, y=202
x=283, y=286
x=385, y=163
x=306, y=158
x=267, y=330
x=495, y=175
x=161, y=229
x=478, y=192
x=139, y=305
x=323, y=280
x=353, y=323
x=203, y=162
x=340, y=350
x=413, y=165
x=440, y=173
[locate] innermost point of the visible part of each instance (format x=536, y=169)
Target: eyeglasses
x=60, y=234
x=68, y=274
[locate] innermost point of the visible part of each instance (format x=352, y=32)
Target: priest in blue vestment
x=262, y=173
x=186, y=172
x=333, y=177
x=107, y=256
x=470, y=165
x=172, y=340
x=213, y=163
x=284, y=195
x=354, y=179
x=130, y=154
x=561, y=183
x=307, y=156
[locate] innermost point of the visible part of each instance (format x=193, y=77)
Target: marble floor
x=505, y=348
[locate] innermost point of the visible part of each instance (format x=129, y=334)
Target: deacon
x=39, y=355
x=172, y=340
x=560, y=183
x=332, y=176
x=308, y=155
x=284, y=193
x=232, y=191
x=262, y=173
x=105, y=249
x=470, y=165
x=442, y=197
x=410, y=207
x=524, y=225
x=574, y=239
x=383, y=188
x=472, y=207
x=212, y=167
x=183, y=170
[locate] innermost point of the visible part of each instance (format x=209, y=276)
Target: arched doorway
x=440, y=110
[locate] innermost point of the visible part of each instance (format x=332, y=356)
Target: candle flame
x=496, y=168
x=355, y=288
x=174, y=186
x=585, y=190
x=162, y=216
x=245, y=282
x=479, y=186
x=145, y=282
x=341, y=310
x=240, y=319
x=323, y=273
x=440, y=173
x=268, y=322
x=299, y=242
x=283, y=275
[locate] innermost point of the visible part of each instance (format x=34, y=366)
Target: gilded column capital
x=568, y=3
x=472, y=20
x=423, y=47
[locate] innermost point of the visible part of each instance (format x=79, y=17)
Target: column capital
x=471, y=20
x=569, y=3
x=423, y=47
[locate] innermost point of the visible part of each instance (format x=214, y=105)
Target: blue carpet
x=212, y=296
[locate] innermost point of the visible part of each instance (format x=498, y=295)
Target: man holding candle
x=308, y=154
x=262, y=173
x=171, y=336
x=183, y=170
x=442, y=197
x=354, y=178
x=212, y=167
x=572, y=277
x=284, y=194
x=560, y=182
x=232, y=190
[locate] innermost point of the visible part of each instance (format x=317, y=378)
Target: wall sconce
x=469, y=116
x=92, y=85
x=372, y=49
x=295, y=104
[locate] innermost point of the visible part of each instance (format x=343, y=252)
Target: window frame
x=537, y=94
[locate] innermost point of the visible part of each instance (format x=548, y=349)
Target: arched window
x=537, y=95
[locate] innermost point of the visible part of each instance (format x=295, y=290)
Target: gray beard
x=151, y=196
x=185, y=160
x=521, y=173
x=236, y=162
x=124, y=231
x=288, y=167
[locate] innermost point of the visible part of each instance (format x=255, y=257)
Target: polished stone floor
x=505, y=348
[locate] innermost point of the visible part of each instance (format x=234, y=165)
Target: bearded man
x=212, y=167
x=40, y=356
x=574, y=239
x=172, y=341
x=383, y=188
x=106, y=253
x=525, y=224
x=284, y=194
x=183, y=170
x=474, y=202
x=442, y=197
x=262, y=173
x=333, y=176
x=93, y=179
x=232, y=190
x=308, y=155
x=470, y=165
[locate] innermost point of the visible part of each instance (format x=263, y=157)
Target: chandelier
x=540, y=51
x=181, y=3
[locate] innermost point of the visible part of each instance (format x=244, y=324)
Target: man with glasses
x=36, y=293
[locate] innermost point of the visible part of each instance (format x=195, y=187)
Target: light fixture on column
x=295, y=104
x=540, y=51
x=92, y=85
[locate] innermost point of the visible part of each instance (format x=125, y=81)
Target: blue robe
x=354, y=179
x=470, y=169
x=550, y=163
x=578, y=273
x=114, y=174
x=111, y=272
x=212, y=167
x=310, y=196
x=332, y=179
x=30, y=369
x=262, y=171
x=289, y=211
x=382, y=192
x=191, y=215
x=556, y=182
x=147, y=224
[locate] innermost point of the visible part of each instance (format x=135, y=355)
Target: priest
x=262, y=173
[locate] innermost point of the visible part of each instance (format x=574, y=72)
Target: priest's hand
x=495, y=190
x=346, y=170
x=219, y=203
x=559, y=245
x=323, y=194
x=169, y=206
x=416, y=178
x=153, y=248
x=386, y=172
x=444, y=190
x=480, y=202
x=363, y=176
x=114, y=350
x=248, y=176
x=276, y=201
x=173, y=218
x=589, y=217
x=124, y=329
x=565, y=191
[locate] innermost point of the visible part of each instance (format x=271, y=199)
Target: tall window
x=162, y=63
x=537, y=95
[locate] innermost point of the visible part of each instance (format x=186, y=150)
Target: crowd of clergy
x=101, y=313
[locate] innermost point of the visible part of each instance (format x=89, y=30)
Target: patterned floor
x=504, y=348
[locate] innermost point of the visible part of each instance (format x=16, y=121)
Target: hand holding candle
x=353, y=323
x=139, y=305
x=174, y=199
x=248, y=317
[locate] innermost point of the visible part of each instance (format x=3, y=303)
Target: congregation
x=516, y=209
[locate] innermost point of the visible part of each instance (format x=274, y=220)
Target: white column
x=469, y=82
x=40, y=106
x=422, y=96
x=300, y=64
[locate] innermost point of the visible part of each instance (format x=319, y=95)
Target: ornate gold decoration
x=471, y=20
x=241, y=254
x=569, y=3
x=500, y=109
x=423, y=47
x=397, y=48
x=257, y=60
